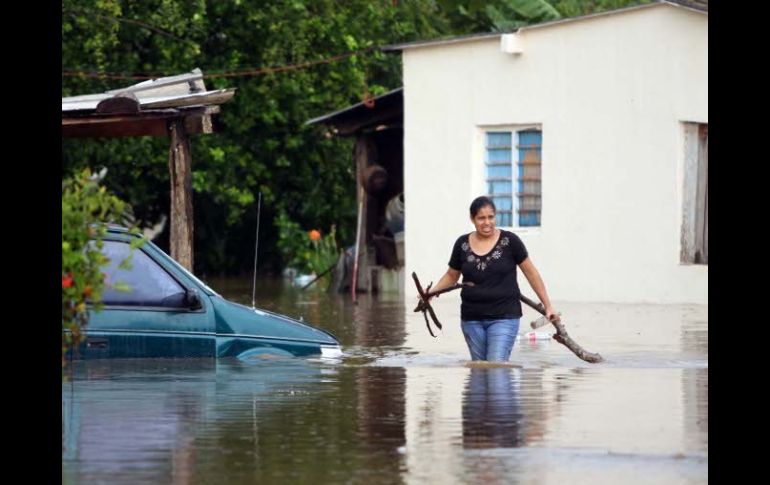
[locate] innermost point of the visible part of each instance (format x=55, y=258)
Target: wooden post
x=179, y=167
x=364, y=154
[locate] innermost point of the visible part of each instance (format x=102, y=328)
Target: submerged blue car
x=168, y=312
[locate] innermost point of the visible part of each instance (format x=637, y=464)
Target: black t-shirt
x=495, y=293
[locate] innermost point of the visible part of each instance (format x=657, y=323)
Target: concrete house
x=591, y=135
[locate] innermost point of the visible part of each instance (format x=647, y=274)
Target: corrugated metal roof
x=356, y=107
x=700, y=6
x=382, y=112
x=218, y=96
x=166, y=92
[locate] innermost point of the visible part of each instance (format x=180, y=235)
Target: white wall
x=610, y=94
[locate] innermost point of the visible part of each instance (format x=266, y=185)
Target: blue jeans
x=490, y=339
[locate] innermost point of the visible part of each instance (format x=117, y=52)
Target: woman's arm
x=448, y=279
x=536, y=282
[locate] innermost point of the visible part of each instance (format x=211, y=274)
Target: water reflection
x=695, y=382
x=381, y=418
x=131, y=426
x=492, y=416
x=266, y=421
x=379, y=322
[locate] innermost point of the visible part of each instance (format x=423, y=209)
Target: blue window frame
x=503, y=150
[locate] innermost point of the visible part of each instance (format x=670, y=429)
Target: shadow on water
x=402, y=407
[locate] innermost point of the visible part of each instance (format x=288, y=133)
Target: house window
x=513, y=176
x=695, y=223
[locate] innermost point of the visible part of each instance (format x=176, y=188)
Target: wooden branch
x=455, y=286
x=563, y=337
x=424, y=300
x=424, y=306
x=430, y=294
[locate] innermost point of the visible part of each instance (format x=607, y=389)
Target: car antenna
x=256, y=247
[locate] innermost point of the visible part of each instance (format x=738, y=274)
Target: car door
x=146, y=311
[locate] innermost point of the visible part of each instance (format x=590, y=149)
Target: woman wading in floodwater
x=491, y=309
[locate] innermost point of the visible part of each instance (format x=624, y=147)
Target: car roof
x=118, y=229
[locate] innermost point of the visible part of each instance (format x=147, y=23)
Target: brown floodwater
x=401, y=406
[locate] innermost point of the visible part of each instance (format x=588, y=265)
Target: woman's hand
x=448, y=279
x=552, y=315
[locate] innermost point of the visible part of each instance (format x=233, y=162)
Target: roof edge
x=485, y=36
x=321, y=118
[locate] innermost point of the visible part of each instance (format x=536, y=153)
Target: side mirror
x=193, y=300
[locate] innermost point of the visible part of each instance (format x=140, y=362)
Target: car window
x=149, y=284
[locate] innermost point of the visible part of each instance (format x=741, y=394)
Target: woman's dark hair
x=480, y=202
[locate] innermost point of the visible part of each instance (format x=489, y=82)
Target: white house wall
x=610, y=94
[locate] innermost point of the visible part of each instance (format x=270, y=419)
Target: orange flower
x=314, y=235
x=66, y=281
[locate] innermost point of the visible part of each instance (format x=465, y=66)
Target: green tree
x=261, y=143
x=474, y=16
x=575, y=8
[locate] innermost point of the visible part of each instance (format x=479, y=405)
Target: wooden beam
x=115, y=126
x=179, y=166
x=201, y=124
x=125, y=103
x=198, y=124
x=152, y=123
x=352, y=124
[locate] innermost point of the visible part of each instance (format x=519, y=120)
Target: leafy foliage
x=86, y=209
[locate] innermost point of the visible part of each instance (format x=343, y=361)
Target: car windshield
x=185, y=271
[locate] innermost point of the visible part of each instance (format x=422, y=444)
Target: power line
x=158, y=30
x=237, y=73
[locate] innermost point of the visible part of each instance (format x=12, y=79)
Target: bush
x=306, y=251
x=324, y=255
x=86, y=210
